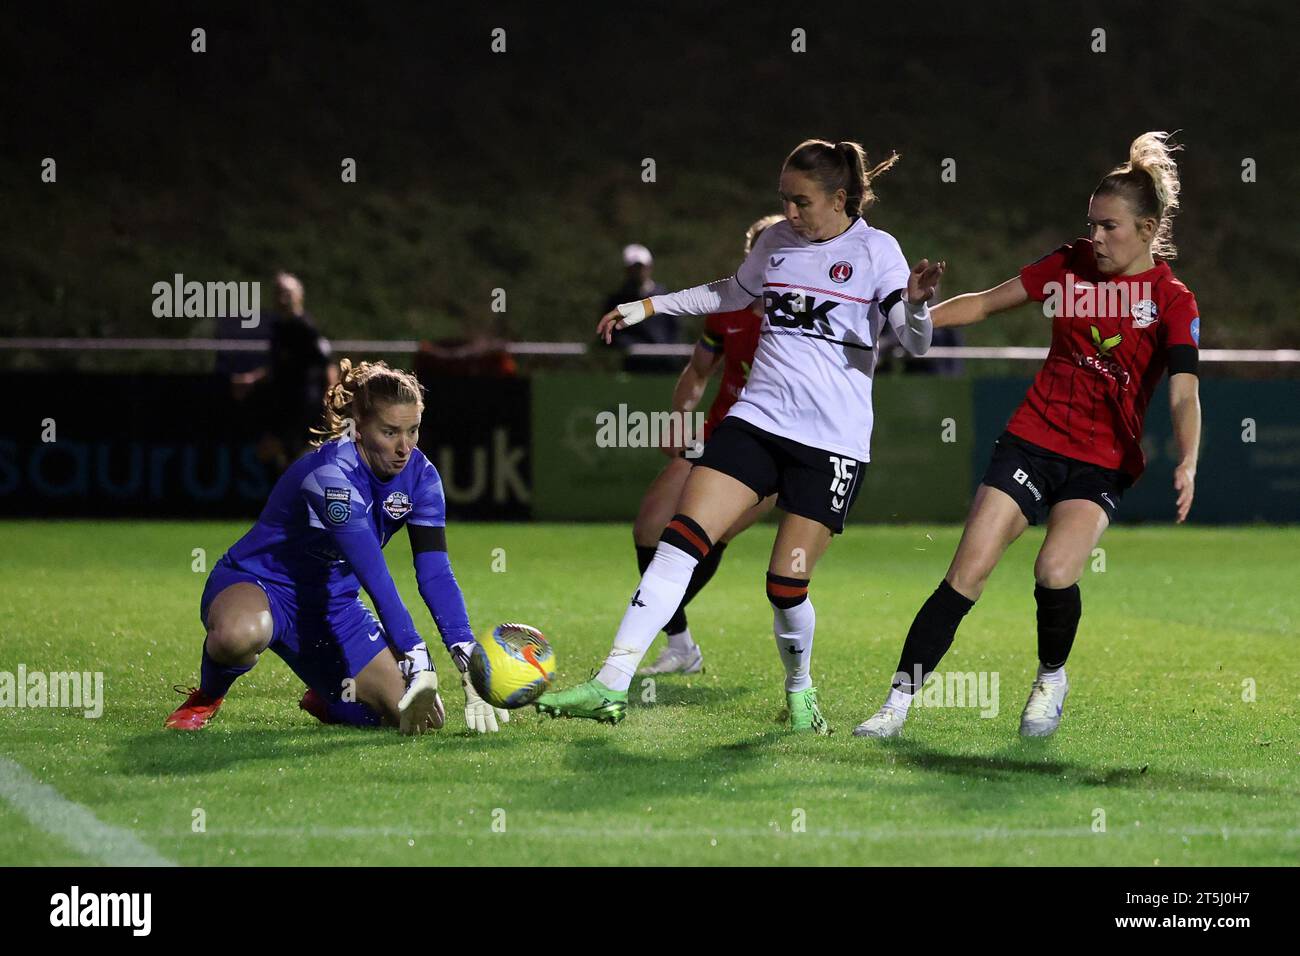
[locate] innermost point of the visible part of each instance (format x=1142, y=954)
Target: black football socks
x=1059, y=610
x=930, y=636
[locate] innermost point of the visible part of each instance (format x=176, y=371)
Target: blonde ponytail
x=1150, y=183
x=359, y=389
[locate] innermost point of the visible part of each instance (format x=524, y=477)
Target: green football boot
x=592, y=700
x=805, y=716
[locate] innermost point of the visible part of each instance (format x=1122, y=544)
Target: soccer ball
x=512, y=666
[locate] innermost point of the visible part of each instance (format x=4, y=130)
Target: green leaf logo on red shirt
x=1104, y=345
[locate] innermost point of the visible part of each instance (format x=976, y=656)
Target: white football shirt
x=811, y=377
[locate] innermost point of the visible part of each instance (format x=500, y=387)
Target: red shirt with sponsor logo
x=1111, y=337
x=735, y=335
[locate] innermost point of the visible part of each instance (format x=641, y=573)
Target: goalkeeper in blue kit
x=292, y=583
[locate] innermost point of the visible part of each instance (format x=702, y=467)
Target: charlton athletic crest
x=841, y=272
x=398, y=505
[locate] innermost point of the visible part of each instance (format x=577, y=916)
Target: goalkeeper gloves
x=479, y=714
x=414, y=661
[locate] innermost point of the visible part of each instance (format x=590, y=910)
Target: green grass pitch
x=1161, y=739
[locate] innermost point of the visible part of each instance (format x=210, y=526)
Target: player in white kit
x=802, y=425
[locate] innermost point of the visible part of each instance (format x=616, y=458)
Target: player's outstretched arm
x=438, y=585
x=724, y=295
x=1185, y=410
x=907, y=309
x=446, y=603
x=977, y=306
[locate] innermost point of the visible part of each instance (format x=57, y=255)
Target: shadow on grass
x=178, y=754
x=170, y=753
x=739, y=770
x=1029, y=759
x=673, y=693
x=596, y=766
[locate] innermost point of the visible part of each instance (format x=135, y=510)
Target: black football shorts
x=809, y=482
x=1037, y=478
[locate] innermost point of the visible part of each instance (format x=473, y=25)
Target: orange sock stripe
x=695, y=540
x=785, y=590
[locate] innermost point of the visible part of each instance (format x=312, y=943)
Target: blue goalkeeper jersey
x=309, y=537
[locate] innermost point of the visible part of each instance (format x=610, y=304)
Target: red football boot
x=314, y=704
x=197, y=710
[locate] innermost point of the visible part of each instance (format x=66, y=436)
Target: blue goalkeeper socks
x=351, y=712
x=215, y=679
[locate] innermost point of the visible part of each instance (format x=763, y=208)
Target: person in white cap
x=638, y=283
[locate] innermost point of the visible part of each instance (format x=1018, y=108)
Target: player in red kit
x=729, y=340
x=1120, y=320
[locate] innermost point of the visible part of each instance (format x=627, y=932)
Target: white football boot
x=886, y=722
x=1043, y=709
x=672, y=660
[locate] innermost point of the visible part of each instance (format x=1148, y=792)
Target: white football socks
x=660, y=592
x=899, y=701
x=1054, y=676
x=681, y=641
x=793, y=628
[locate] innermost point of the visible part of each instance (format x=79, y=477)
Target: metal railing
x=406, y=346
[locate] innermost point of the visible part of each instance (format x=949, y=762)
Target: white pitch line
x=52, y=813
x=875, y=834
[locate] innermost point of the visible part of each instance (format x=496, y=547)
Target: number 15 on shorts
x=840, y=483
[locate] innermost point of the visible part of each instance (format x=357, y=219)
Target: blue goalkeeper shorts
x=323, y=645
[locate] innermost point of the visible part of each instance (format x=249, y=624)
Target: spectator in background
x=483, y=351
x=241, y=369
x=299, y=372
x=638, y=266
